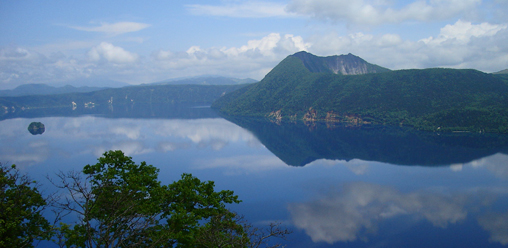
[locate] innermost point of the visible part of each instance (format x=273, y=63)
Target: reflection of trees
x=356, y=211
x=296, y=145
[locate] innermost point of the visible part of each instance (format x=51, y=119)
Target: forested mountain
x=429, y=99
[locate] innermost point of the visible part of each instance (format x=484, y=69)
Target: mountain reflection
x=298, y=144
x=358, y=210
x=136, y=111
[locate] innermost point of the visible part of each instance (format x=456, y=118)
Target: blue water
x=326, y=202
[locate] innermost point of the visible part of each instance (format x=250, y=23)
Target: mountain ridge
x=150, y=96
x=436, y=99
x=44, y=89
x=338, y=64
x=505, y=71
x=206, y=80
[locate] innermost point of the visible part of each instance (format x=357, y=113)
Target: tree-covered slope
x=430, y=99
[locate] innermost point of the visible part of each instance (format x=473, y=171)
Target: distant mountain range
x=44, y=89
x=348, y=89
x=505, y=71
x=208, y=80
x=38, y=99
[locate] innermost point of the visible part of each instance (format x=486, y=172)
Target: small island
x=36, y=128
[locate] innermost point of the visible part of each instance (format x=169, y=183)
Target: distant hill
x=99, y=82
x=153, y=96
x=429, y=99
x=208, y=80
x=43, y=89
x=505, y=71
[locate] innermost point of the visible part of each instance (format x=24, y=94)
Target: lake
x=333, y=185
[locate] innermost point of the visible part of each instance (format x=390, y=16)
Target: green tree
x=122, y=204
x=21, y=207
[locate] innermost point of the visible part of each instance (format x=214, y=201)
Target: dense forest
x=428, y=99
x=118, y=203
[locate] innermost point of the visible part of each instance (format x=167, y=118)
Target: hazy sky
x=141, y=42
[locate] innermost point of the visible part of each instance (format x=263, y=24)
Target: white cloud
x=20, y=65
x=111, y=53
x=356, y=211
x=115, y=28
x=246, y=9
x=461, y=45
x=14, y=53
x=378, y=12
x=461, y=32
x=254, y=59
x=268, y=46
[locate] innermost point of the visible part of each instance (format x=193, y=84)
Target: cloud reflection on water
x=203, y=130
x=356, y=211
x=94, y=135
x=128, y=147
x=497, y=225
x=357, y=166
x=242, y=164
x=495, y=163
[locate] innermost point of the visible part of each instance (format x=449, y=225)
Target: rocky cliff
x=339, y=64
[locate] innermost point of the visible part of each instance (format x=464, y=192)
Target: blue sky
x=58, y=42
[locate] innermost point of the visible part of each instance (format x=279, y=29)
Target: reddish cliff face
x=312, y=116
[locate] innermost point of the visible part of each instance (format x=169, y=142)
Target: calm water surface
x=333, y=186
